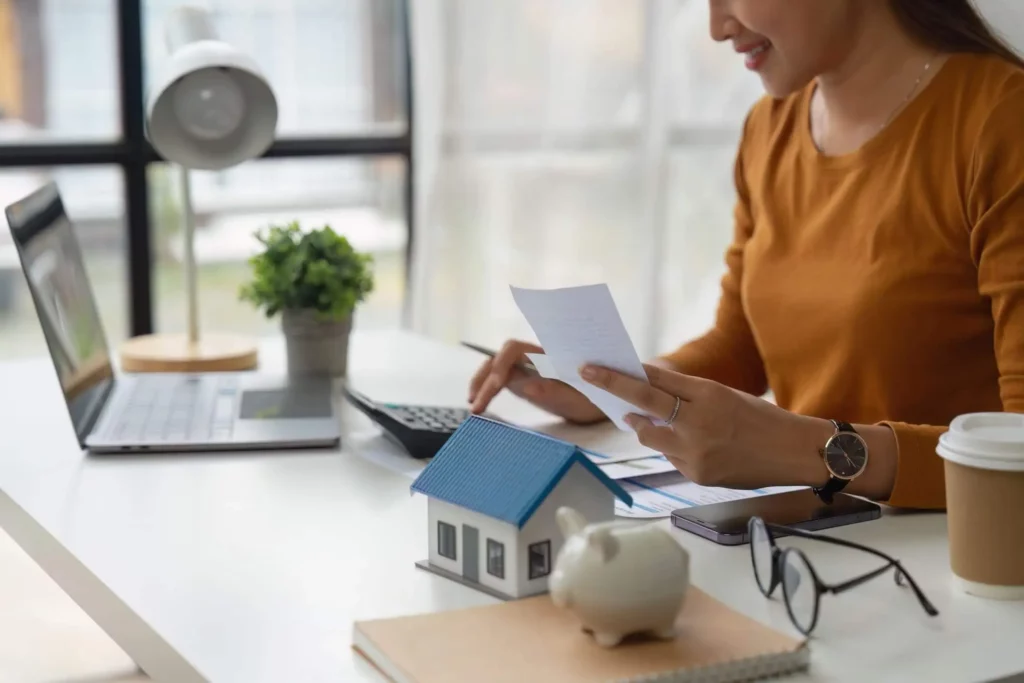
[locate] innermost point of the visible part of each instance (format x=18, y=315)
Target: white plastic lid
x=991, y=441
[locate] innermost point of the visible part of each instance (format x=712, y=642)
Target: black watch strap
x=827, y=492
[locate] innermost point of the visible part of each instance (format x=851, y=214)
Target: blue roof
x=503, y=471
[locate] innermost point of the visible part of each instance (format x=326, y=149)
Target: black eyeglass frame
x=779, y=557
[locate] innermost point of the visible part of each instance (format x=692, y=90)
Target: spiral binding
x=739, y=671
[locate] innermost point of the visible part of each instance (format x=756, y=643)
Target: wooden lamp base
x=174, y=353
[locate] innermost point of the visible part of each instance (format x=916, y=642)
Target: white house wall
x=578, y=489
x=488, y=527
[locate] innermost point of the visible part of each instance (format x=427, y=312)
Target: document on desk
x=579, y=325
x=640, y=467
x=659, y=494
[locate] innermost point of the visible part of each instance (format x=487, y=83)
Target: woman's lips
x=754, y=55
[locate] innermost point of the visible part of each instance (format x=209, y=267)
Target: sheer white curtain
x=1007, y=18
x=566, y=142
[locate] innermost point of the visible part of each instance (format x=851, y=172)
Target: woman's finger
x=479, y=377
x=639, y=393
x=675, y=383
x=557, y=398
x=501, y=368
x=661, y=439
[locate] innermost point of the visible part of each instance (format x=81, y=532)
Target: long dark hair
x=952, y=26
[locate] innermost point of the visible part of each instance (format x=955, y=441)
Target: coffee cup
x=984, y=461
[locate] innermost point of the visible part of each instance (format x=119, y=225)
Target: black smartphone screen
x=726, y=523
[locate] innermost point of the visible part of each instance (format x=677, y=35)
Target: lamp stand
x=188, y=352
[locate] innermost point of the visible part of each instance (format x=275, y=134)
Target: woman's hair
x=952, y=26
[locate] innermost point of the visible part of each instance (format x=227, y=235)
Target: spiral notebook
x=533, y=640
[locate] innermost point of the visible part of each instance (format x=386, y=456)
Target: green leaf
x=316, y=270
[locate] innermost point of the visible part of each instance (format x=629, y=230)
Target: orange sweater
x=885, y=286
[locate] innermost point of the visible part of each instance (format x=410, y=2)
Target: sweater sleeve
x=727, y=353
x=994, y=208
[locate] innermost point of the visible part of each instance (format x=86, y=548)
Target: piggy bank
x=619, y=579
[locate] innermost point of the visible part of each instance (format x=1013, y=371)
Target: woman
x=877, y=271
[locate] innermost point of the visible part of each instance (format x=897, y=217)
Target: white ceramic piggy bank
x=619, y=579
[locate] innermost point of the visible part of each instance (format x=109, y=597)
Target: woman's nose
x=723, y=25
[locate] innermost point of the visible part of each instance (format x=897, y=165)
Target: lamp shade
x=210, y=107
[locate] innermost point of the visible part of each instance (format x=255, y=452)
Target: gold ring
x=675, y=410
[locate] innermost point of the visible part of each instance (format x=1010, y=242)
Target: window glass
x=58, y=71
x=535, y=220
x=694, y=254
x=446, y=540
x=495, y=558
x=335, y=65
x=93, y=198
x=362, y=199
x=540, y=559
x=516, y=64
x=710, y=85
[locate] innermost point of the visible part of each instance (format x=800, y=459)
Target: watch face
x=846, y=455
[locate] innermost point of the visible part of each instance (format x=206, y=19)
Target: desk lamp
x=209, y=109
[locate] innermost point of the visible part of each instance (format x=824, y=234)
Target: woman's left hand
x=720, y=436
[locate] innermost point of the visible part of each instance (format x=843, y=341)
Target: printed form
x=659, y=494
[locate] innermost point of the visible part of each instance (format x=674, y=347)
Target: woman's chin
x=781, y=87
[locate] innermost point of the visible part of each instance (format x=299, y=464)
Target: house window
x=539, y=559
x=495, y=558
x=446, y=540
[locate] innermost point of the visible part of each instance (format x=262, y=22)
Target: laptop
x=115, y=412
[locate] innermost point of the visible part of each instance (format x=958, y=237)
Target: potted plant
x=315, y=280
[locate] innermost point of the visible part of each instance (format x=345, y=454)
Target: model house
x=493, y=491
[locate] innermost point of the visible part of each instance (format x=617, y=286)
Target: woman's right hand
x=500, y=372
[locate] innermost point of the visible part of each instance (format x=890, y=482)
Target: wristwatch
x=845, y=455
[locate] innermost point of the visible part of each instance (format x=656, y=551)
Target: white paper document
x=547, y=370
x=630, y=469
x=658, y=495
x=580, y=325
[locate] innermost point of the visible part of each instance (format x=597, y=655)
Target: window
x=58, y=71
x=581, y=148
x=446, y=540
x=361, y=199
x=692, y=261
x=335, y=64
x=76, y=71
x=495, y=558
x=539, y=559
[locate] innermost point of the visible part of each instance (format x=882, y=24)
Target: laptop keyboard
x=179, y=410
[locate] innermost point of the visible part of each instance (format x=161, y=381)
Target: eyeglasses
x=801, y=587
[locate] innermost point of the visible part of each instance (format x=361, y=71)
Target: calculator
x=420, y=429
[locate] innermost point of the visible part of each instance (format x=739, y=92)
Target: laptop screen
x=51, y=259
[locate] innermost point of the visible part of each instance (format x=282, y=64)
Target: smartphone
x=726, y=523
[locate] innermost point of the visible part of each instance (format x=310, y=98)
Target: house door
x=470, y=553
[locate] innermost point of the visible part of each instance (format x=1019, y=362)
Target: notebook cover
x=533, y=640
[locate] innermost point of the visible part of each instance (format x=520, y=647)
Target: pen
x=525, y=366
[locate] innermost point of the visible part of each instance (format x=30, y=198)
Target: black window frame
x=529, y=560
x=133, y=154
x=442, y=527
x=500, y=573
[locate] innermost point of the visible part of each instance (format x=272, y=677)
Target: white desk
x=252, y=567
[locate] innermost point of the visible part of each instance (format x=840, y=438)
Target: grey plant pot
x=315, y=347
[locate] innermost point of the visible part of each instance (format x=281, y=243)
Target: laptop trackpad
x=283, y=404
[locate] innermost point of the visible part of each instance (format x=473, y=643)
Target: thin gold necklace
x=917, y=84
x=899, y=107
